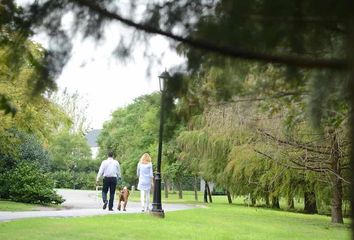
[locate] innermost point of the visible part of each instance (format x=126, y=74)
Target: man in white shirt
x=110, y=171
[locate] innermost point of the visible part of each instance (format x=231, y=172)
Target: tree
x=76, y=112
x=34, y=113
x=25, y=148
x=131, y=132
x=70, y=151
x=20, y=58
x=250, y=156
x=203, y=31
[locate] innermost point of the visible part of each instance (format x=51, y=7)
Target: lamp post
x=156, y=205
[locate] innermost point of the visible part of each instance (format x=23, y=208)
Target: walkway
x=81, y=203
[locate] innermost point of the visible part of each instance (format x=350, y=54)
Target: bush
x=76, y=180
x=63, y=179
x=25, y=147
x=84, y=180
x=27, y=183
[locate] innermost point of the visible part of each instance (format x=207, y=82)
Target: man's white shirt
x=109, y=168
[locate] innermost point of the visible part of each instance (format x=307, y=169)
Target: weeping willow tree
x=249, y=151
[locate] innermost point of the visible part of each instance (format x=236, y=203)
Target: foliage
x=35, y=113
x=74, y=180
x=131, y=132
x=26, y=183
x=25, y=148
x=73, y=166
x=75, y=108
x=20, y=58
x=71, y=151
x=312, y=33
x=235, y=141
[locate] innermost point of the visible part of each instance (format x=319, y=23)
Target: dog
x=123, y=197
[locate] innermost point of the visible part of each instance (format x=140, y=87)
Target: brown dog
x=123, y=197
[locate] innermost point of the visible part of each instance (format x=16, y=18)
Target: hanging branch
x=256, y=99
x=307, y=147
x=233, y=52
x=281, y=163
x=305, y=167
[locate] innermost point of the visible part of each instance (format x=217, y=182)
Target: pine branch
x=233, y=52
x=292, y=19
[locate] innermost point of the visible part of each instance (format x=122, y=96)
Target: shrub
x=77, y=180
x=63, y=179
x=84, y=180
x=25, y=147
x=27, y=183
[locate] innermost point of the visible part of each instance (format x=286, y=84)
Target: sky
x=104, y=82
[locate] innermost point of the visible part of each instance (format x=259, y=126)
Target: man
x=110, y=170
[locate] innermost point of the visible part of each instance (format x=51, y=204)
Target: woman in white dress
x=144, y=172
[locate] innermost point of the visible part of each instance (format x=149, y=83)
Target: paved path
x=83, y=203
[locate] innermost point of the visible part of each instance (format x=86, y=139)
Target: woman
x=144, y=172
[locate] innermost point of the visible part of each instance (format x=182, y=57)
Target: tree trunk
x=166, y=188
x=229, y=199
x=351, y=119
x=291, y=202
x=275, y=202
x=180, y=191
x=266, y=198
x=336, y=208
x=336, y=182
x=195, y=188
x=208, y=191
x=253, y=201
x=205, y=193
x=310, y=205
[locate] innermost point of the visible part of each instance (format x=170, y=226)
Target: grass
x=16, y=206
x=188, y=198
x=217, y=221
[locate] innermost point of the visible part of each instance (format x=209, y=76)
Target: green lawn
x=188, y=197
x=217, y=221
x=16, y=206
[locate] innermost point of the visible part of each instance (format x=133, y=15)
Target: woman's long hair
x=145, y=158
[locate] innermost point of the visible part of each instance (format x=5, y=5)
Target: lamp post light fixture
x=156, y=205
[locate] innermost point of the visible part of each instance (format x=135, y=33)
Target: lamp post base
x=158, y=213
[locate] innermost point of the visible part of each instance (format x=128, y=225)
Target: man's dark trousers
x=109, y=183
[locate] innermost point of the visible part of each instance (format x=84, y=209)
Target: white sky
x=103, y=81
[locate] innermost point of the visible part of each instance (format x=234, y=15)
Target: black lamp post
x=156, y=205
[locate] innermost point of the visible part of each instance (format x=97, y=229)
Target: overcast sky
x=106, y=83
